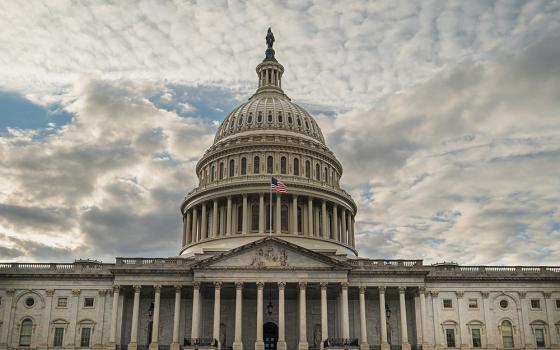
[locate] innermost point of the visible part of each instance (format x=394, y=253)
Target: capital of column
x=245, y=195
x=402, y=290
x=10, y=291
x=102, y=292
x=136, y=288
x=116, y=288
x=238, y=285
x=178, y=288
x=421, y=290
x=382, y=289
x=302, y=285
x=547, y=295
x=196, y=285
x=157, y=288
x=217, y=285
x=485, y=295
x=324, y=285
x=522, y=295
x=281, y=285
x=460, y=294
x=75, y=292
x=362, y=289
x=434, y=293
x=50, y=292
x=260, y=285
x=344, y=285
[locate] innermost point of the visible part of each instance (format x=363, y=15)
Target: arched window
x=231, y=168
x=25, y=332
x=221, y=170
x=269, y=165
x=255, y=217
x=317, y=172
x=231, y=123
x=507, y=334
x=280, y=118
x=239, y=218
x=269, y=116
x=307, y=169
x=296, y=166
x=243, y=166
x=256, y=165
x=326, y=175
x=283, y=165
x=259, y=117
x=306, y=125
x=250, y=118
x=213, y=170
x=284, y=218
x=298, y=121
x=290, y=118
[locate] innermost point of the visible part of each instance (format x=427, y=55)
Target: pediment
x=271, y=253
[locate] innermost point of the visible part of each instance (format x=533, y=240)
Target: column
x=217, y=300
x=176, y=315
x=228, y=216
x=462, y=324
x=203, y=223
x=155, y=320
x=550, y=307
x=324, y=314
x=194, y=231
x=343, y=234
x=184, y=241
x=294, y=214
x=344, y=316
x=526, y=327
x=113, y=329
x=215, y=219
x=352, y=238
x=438, y=330
x=237, y=342
x=303, y=345
x=281, y=318
x=324, y=214
x=310, y=215
x=195, y=323
x=244, y=222
x=426, y=345
x=188, y=237
x=261, y=213
x=43, y=342
x=404, y=327
x=133, y=345
x=363, y=326
x=278, y=214
x=383, y=319
x=5, y=331
x=489, y=322
x=349, y=227
x=259, y=344
x=335, y=223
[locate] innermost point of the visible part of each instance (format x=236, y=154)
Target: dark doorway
x=270, y=334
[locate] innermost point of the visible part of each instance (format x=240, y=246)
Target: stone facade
x=261, y=270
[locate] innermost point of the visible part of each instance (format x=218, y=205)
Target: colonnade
x=248, y=214
x=259, y=341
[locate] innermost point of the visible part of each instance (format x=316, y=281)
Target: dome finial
x=269, y=42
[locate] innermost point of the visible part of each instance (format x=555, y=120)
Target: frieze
x=270, y=257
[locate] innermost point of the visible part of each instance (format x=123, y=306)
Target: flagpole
x=270, y=211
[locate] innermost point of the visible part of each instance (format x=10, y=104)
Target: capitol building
x=271, y=269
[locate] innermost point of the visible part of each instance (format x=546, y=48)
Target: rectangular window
x=88, y=302
x=473, y=303
x=58, y=336
x=84, y=339
x=62, y=302
x=447, y=303
x=535, y=304
x=539, y=337
x=450, y=336
x=558, y=303
x=476, y=342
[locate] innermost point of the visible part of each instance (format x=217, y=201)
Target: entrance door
x=270, y=333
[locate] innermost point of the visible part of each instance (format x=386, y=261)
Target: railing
x=497, y=269
x=52, y=266
x=341, y=343
x=200, y=342
x=386, y=263
x=148, y=261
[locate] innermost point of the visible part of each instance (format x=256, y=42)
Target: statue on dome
x=269, y=38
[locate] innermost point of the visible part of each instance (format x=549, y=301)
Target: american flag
x=278, y=186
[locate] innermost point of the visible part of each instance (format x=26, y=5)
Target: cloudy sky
x=444, y=114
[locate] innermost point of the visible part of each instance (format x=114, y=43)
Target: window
x=296, y=167
x=250, y=118
x=62, y=302
x=212, y=171
x=283, y=165
x=317, y=172
x=239, y=218
x=255, y=217
x=507, y=335
x=259, y=117
x=476, y=338
x=256, y=165
x=280, y=119
x=231, y=168
x=231, y=123
x=535, y=304
x=269, y=164
x=84, y=337
x=25, y=332
x=447, y=303
x=539, y=337
x=307, y=169
x=306, y=125
x=284, y=218
x=558, y=303
x=503, y=304
x=473, y=303
x=450, y=337
x=88, y=302
x=29, y=302
x=290, y=119
x=269, y=117
x=240, y=120
x=243, y=166
x=221, y=170
x=298, y=121
x=58, y=336
x=326, y=175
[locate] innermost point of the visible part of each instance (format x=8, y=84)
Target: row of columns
x=196, y=229
x=259, y=342
x=270, y=76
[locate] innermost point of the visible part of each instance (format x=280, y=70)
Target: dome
x=268, y=137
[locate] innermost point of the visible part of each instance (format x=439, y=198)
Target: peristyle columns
x=237, y=342
x=176, y=314
x=244, y=221
x=113, y=329
x=261, y=213
x=216, y=325
x=324, y=314
x=155, y=320
x=404, y=329
x=383, y=321
x=294, y=215
x=228, y=216
x=303, y=345
x=195, y=311
x=310, y=215
x=345, y=321
x=133, y=345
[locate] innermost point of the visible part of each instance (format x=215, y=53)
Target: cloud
x=463, y=166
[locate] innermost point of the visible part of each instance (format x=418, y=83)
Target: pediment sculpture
x=270, y=257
